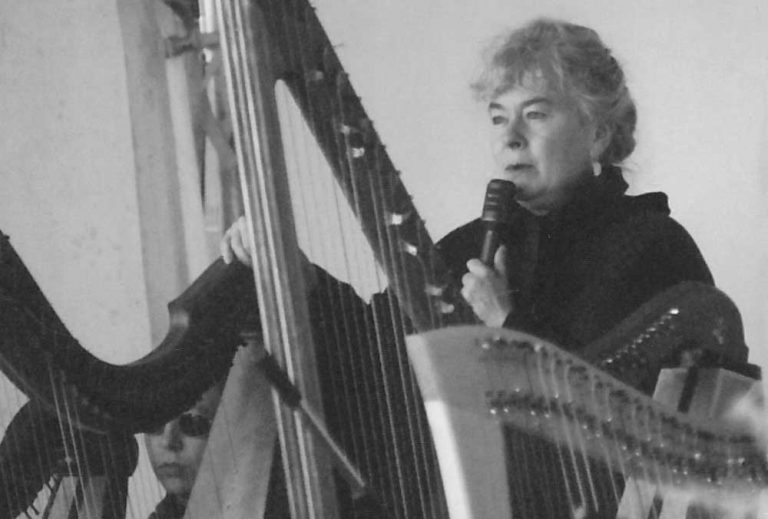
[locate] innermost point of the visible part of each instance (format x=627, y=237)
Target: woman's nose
x=514, y=136
x=171, y=437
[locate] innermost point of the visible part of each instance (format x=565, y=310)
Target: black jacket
x=578, y=273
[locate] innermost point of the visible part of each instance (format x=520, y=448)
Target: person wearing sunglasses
x=176, y=449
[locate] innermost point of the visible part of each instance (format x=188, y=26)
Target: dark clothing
x=578, y=273
x=168, y=508
x=574, y=275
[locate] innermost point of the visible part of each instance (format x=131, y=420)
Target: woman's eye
x=533, y=114
x=498, y=119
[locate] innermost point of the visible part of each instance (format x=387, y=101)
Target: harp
x=282, y=41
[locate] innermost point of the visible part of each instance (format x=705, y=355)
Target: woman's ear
x=601, y=139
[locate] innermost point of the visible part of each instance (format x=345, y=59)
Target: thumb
x=500, y=261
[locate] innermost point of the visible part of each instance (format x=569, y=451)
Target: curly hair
x=574, y=61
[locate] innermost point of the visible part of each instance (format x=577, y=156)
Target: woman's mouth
x=516, y=168
x=170, y=470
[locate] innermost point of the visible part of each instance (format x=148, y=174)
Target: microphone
x=499, y=210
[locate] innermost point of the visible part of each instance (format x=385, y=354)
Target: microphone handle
x=490, y=245
x=499, y=210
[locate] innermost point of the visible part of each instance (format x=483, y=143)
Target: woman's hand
x=486, y=289
x=234, y=244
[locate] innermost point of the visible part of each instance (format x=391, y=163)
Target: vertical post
x=249, y=61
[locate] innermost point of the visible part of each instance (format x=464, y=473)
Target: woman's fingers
x=234, y=244
x=485, y=289
x=500, y=261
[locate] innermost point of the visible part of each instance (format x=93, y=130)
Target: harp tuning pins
x=445, y=308
x=342, y=79
x=409, y=248
x=355, y=141
x=492, y=343
x=441, y=306
x=393, y=218
x=719, y=331
x=366, y=124
x=361, y=126
x=316, y=75
x=434, y=290
x=697, y=456
x=357, y=135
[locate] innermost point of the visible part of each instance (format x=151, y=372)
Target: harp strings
x=12, y=401
x=52, y=467
x=374, y=386
x=30, y=457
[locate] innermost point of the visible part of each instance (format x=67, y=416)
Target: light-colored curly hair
x=573, y=60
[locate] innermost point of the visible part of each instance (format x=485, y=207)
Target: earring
x=597, y=168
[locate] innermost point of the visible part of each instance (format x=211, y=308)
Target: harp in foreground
x=478, y=383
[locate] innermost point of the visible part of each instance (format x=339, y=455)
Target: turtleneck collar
x=591, y=198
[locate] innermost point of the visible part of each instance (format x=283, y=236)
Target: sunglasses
x=192, y=425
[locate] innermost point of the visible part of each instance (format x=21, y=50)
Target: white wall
x=698, y=71
x=68, y=196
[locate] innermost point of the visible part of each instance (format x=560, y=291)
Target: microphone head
x=499, y=206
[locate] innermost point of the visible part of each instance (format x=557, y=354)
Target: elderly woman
x=580, y=255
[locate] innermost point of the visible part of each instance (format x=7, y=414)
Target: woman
x=580, y=255
x=176, y=450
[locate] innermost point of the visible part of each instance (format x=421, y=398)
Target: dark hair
x=573, y=60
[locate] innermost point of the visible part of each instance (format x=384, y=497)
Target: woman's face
x=541, y=143
x=176, y=449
